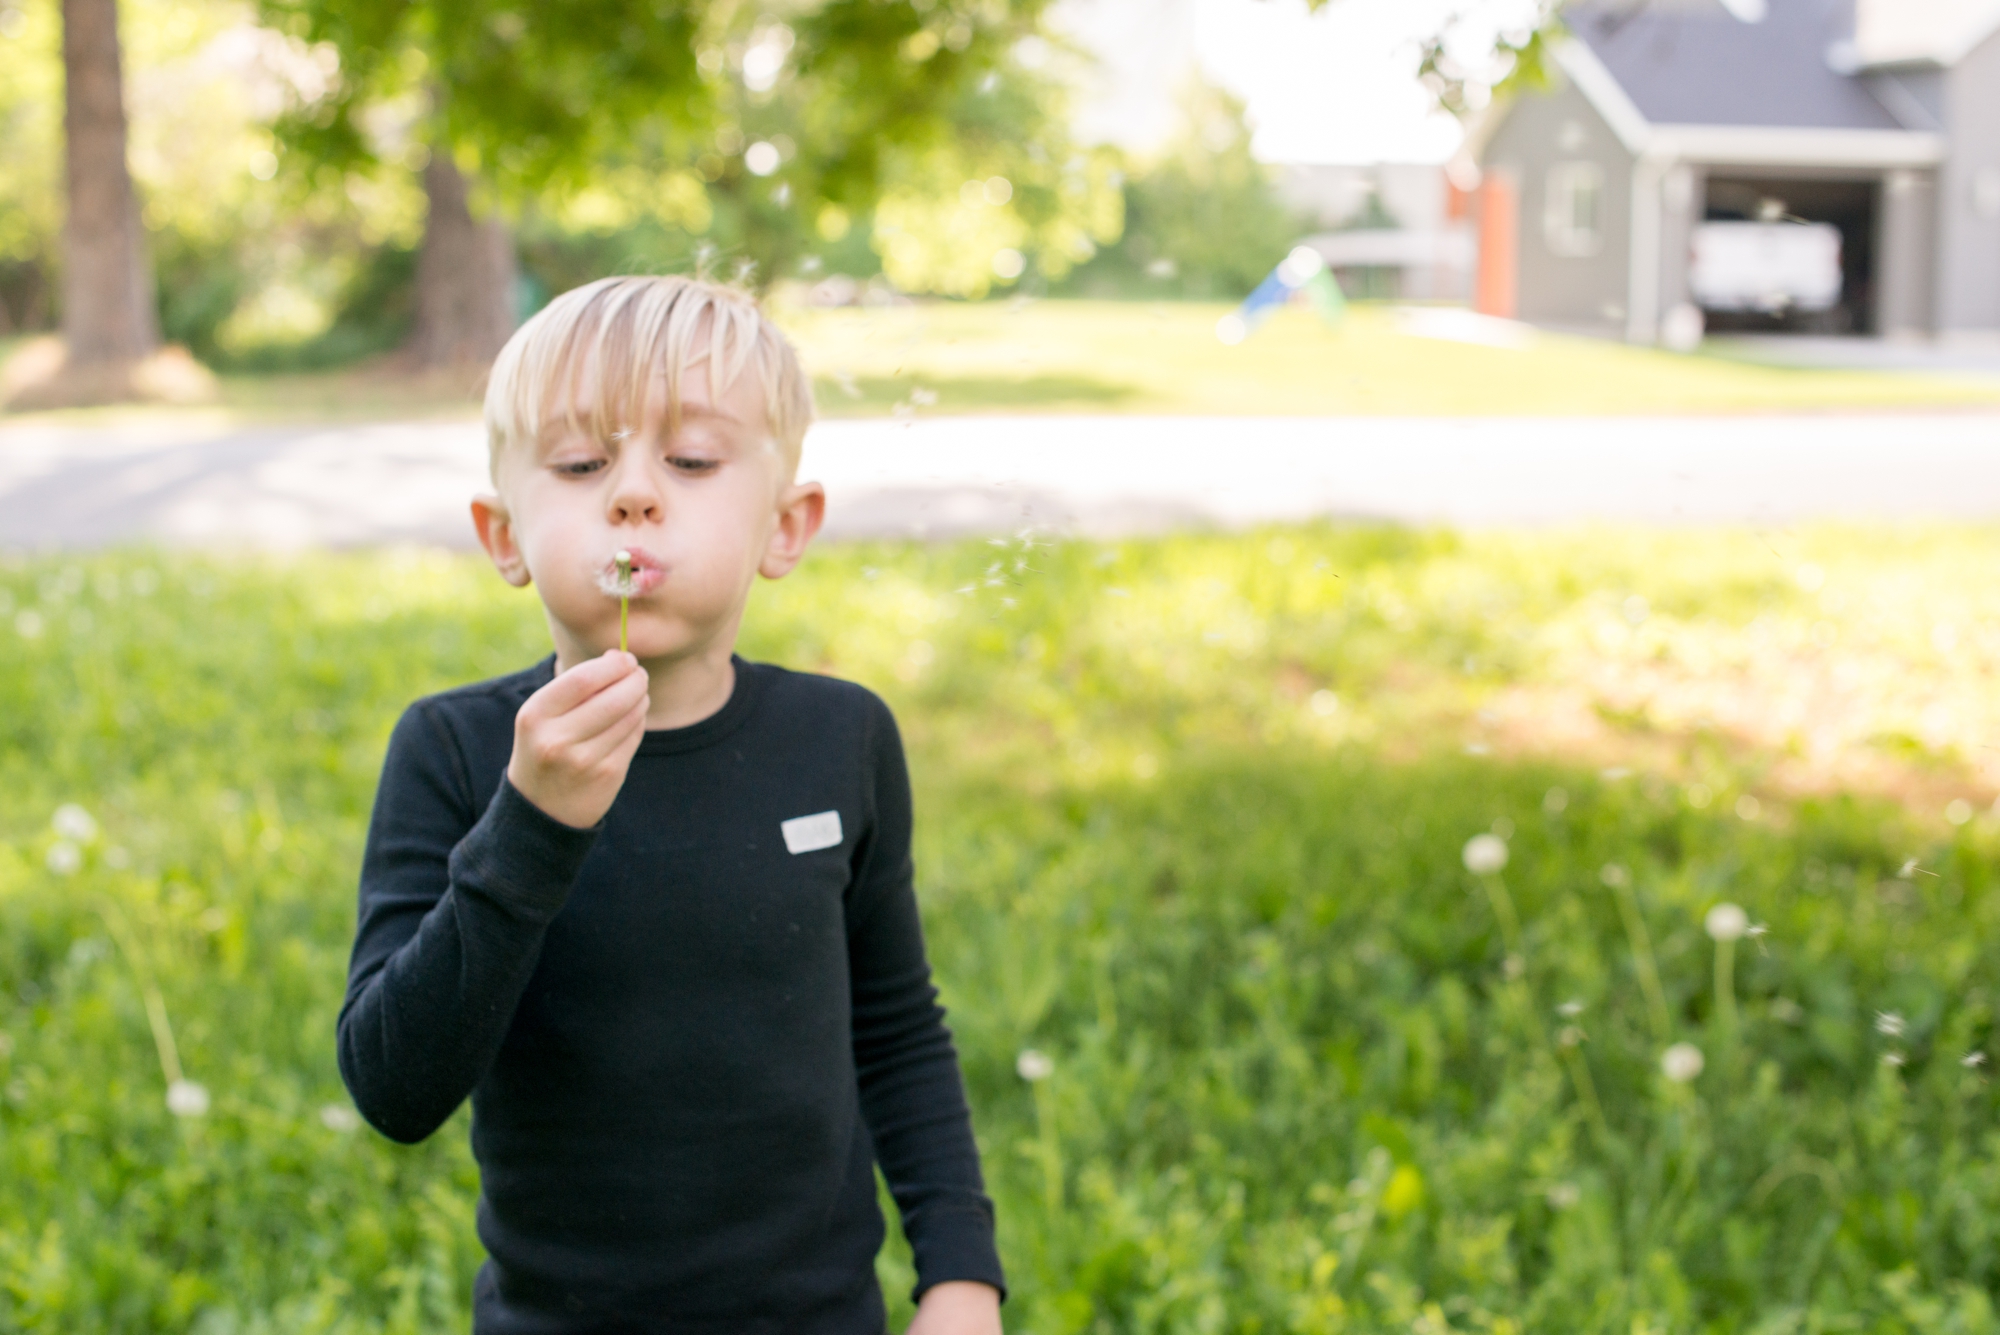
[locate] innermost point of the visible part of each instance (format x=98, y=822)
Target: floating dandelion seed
x=1889, y=1023
x=64, y=858
x=1485, y=854
x=1032, y=1065
x=1972, y=1059
x=1893, y=1058
x=1907, y=870
x=187, y=1098
x=1726, y=922
x=1570, y=1009
x=1681, y=1063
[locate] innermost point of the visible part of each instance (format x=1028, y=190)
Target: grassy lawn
x=1191, y=818
x=1132, y=357
x=1077, y=356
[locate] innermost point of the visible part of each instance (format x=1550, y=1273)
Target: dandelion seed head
x=1485, y=854
x=73, y=822
x=187, y=1098
x=1726, y=922
x=1033, y=1065
x=1890, y=1023
x=339, y=1117
x=1681, y=1063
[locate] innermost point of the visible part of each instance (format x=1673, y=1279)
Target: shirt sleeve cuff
x=956, y=1244
x=521, y=857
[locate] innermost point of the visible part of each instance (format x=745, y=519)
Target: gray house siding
x=1968, y=286
x=1539, y=135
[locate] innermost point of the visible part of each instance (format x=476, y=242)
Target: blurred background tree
x=1203, y=219
x=291, y=160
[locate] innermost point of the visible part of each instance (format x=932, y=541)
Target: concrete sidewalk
x=205, y=482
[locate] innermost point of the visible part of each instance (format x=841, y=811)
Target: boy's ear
x=496, y=535
x=801, y=510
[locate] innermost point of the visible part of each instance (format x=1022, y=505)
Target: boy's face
x=703, y=510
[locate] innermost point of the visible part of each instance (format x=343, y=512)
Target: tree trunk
x=465, y=276
x=108, y=316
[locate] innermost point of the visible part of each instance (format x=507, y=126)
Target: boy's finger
x=581, y=682
x=593, y=715
x=619, y=741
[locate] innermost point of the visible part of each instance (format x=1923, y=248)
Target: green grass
x=1083, y=356
x=1191, y=818
x=1163, y=357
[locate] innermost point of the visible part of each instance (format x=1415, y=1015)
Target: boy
x=653, y=910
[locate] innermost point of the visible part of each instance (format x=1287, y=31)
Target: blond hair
x=602, y=344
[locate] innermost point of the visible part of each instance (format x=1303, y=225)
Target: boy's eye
x=577, y=467
x=689, y=464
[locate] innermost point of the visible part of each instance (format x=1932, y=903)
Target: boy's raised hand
x=574, y=738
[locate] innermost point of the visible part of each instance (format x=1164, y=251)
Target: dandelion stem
x=149, y=993
x=1050, y=1148
x=1725, y=986
x=1586, y=1093
x=1642, y=961
x=624, y=560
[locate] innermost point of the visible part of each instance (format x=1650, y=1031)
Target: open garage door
x=1851, y=207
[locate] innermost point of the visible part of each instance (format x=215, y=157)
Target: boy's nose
x=635, y=494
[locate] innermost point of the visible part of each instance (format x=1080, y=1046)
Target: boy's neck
x=684, y=691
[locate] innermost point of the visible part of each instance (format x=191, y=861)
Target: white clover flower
x=74, y=823
x=64, y=857
x=1972, y=1060
x=1032, y=1065
x=339, y=1117
x=1485, y=854
x=187, y=1098
x=1889, y=1023
x=1727, y=922
x=1681, y=1063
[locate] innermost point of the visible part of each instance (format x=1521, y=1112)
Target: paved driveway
x=203, y=481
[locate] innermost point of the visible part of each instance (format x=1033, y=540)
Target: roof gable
x=1693, y=62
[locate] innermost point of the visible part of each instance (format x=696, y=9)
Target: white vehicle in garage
x=1771, y=267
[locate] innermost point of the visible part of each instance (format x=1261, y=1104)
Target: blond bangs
x=587, y=360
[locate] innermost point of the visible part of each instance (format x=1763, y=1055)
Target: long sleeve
x=911, y=1091
x=456, y=896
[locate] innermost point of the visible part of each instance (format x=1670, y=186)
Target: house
x=1388, y=229
x=1878, y=119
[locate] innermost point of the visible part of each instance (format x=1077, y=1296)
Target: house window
x=1573, y=215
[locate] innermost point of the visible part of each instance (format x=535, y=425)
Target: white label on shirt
x=809, y=834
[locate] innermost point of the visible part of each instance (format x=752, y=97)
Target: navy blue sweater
x=689, y=1034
